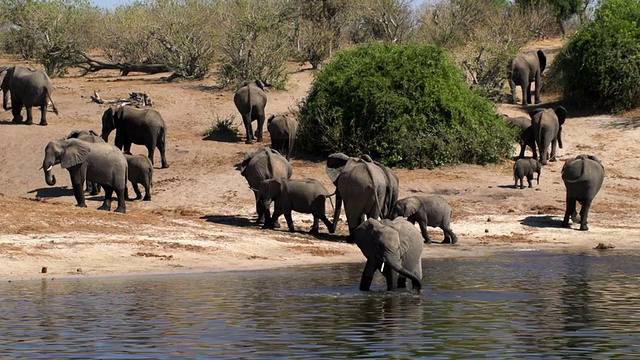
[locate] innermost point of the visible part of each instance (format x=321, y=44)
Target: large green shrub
x=404, y=105
x=600, y=65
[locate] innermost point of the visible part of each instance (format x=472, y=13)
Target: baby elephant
x=140, y=172
x=431, y=210
x=526, y=167
x=306, y=196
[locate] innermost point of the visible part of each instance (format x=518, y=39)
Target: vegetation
x=404, y=105
x=601, y=63
x=222, y=128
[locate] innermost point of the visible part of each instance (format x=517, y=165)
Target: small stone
x=511, y=210
x=486, y=230
x=79, y=270
x=44, y=270
x=488, y=219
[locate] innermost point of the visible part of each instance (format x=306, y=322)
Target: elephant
x=250, y=100
x=101, y=163
x=283, y=130
x=427, y=210
x=302, y=195
x=92, y=137
x=583, y=177
x=28, y=88
x=547, y=130
x=527, y=137
x=526, y=167
x=140, y=172
x=259, y=165
x=524, y=69
x=136, y=126
x=395, y=248
x=367, y=188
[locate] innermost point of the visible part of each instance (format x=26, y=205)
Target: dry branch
x=138, y=99
x=92, y=65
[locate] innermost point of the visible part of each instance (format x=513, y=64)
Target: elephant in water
x=136, y=126
x=368, y=188
x=583, y=177
x=547, y=129
x=250, y=100
x=28, y=88
x=259, y=165
x=101, y=163
x=395, y=248
x=525, y=68
x=431, y=210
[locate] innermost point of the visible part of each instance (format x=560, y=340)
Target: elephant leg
x=260, y=127
x=528, y=93
x=78, y=193
x=29, y=111
x=538, y=82
x=43, y=114
x=367, y=275
x=421, y=219
x=126, y=194
x=402, y=282
x=449, y=236
x=569, y=211
x=554, y=145
x=512, y=85
x=327, y=223
x=336, y=212
x=259, y=208
x=287, y=216
x=523, y=148
x=147, y=191
x=163, y=158
x=530, y=180
x=392, y=278
x=137, y=191
x=16, y=108
x=246, y=119
x=316, y=225
x=106, y=204
x=584, y=213
x=122, y=207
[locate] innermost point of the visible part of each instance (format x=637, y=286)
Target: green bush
x=404, y=105
x=600, y=65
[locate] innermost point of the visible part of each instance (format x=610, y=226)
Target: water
x=522, y=305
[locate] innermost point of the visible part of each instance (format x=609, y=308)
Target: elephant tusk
x=382, y=267
x=50, y=167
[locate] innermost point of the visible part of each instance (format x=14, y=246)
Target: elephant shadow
x=233, y=220
x=9, y=122
x=228, y=137
x=543, y=221
x=60, y=191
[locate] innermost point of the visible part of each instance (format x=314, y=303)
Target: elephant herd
x=388, y=238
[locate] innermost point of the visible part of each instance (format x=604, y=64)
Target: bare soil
x=201, y=217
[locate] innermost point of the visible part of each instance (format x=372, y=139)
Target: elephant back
x=583, y=168
x=265, y=163
x=364, y=182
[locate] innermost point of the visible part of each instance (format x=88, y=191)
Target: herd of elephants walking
x=381, y=224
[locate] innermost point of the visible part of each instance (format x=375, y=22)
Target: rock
x=44, y=270
x=602, y=246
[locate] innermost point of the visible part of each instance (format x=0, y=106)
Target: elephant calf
x=395, y=248
x=431, y=210
x=306, y=196
x=583, y=177
x=528, y=168
x=140, y=172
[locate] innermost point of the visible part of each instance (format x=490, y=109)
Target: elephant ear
x=335, y=163
x=75, y=153
x=260, y=84
x=74, y=134
x=118, y=113
x=542, y=59
x=270, y=119
x=107, y=118
x=561, y=113
x=93, y=133
x=411, y=206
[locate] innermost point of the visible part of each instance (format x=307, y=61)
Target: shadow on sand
x=543, y=221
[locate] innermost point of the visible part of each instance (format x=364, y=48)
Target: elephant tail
x=574, y=180
x=376, y=203
x=53, y=105
x=333, y=208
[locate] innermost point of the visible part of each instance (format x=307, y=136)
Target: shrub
x=404, y=105
x=222, y=128
x=600, y=64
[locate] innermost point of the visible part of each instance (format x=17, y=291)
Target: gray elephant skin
x=136, y=126
x=367, y=188
x=526, y=168
x=101, y=163
x=547, y=129
x=527, y=138
x=259, y=165
x=583, y=177
x=395, y=248
x=28, y=88
x=524, y=69
x=283, y=130
x=140, y=172
x=92, y=137
x=250, y=100
x=306, y=196
x=427, y=210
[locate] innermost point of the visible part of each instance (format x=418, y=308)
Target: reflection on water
x=531, y=305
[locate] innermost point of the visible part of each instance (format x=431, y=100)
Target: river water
x=516, y=305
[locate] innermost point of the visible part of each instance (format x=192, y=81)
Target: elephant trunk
x=48, y=177
x=396, y=266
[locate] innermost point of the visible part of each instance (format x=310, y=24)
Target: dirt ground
x=202, y=212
